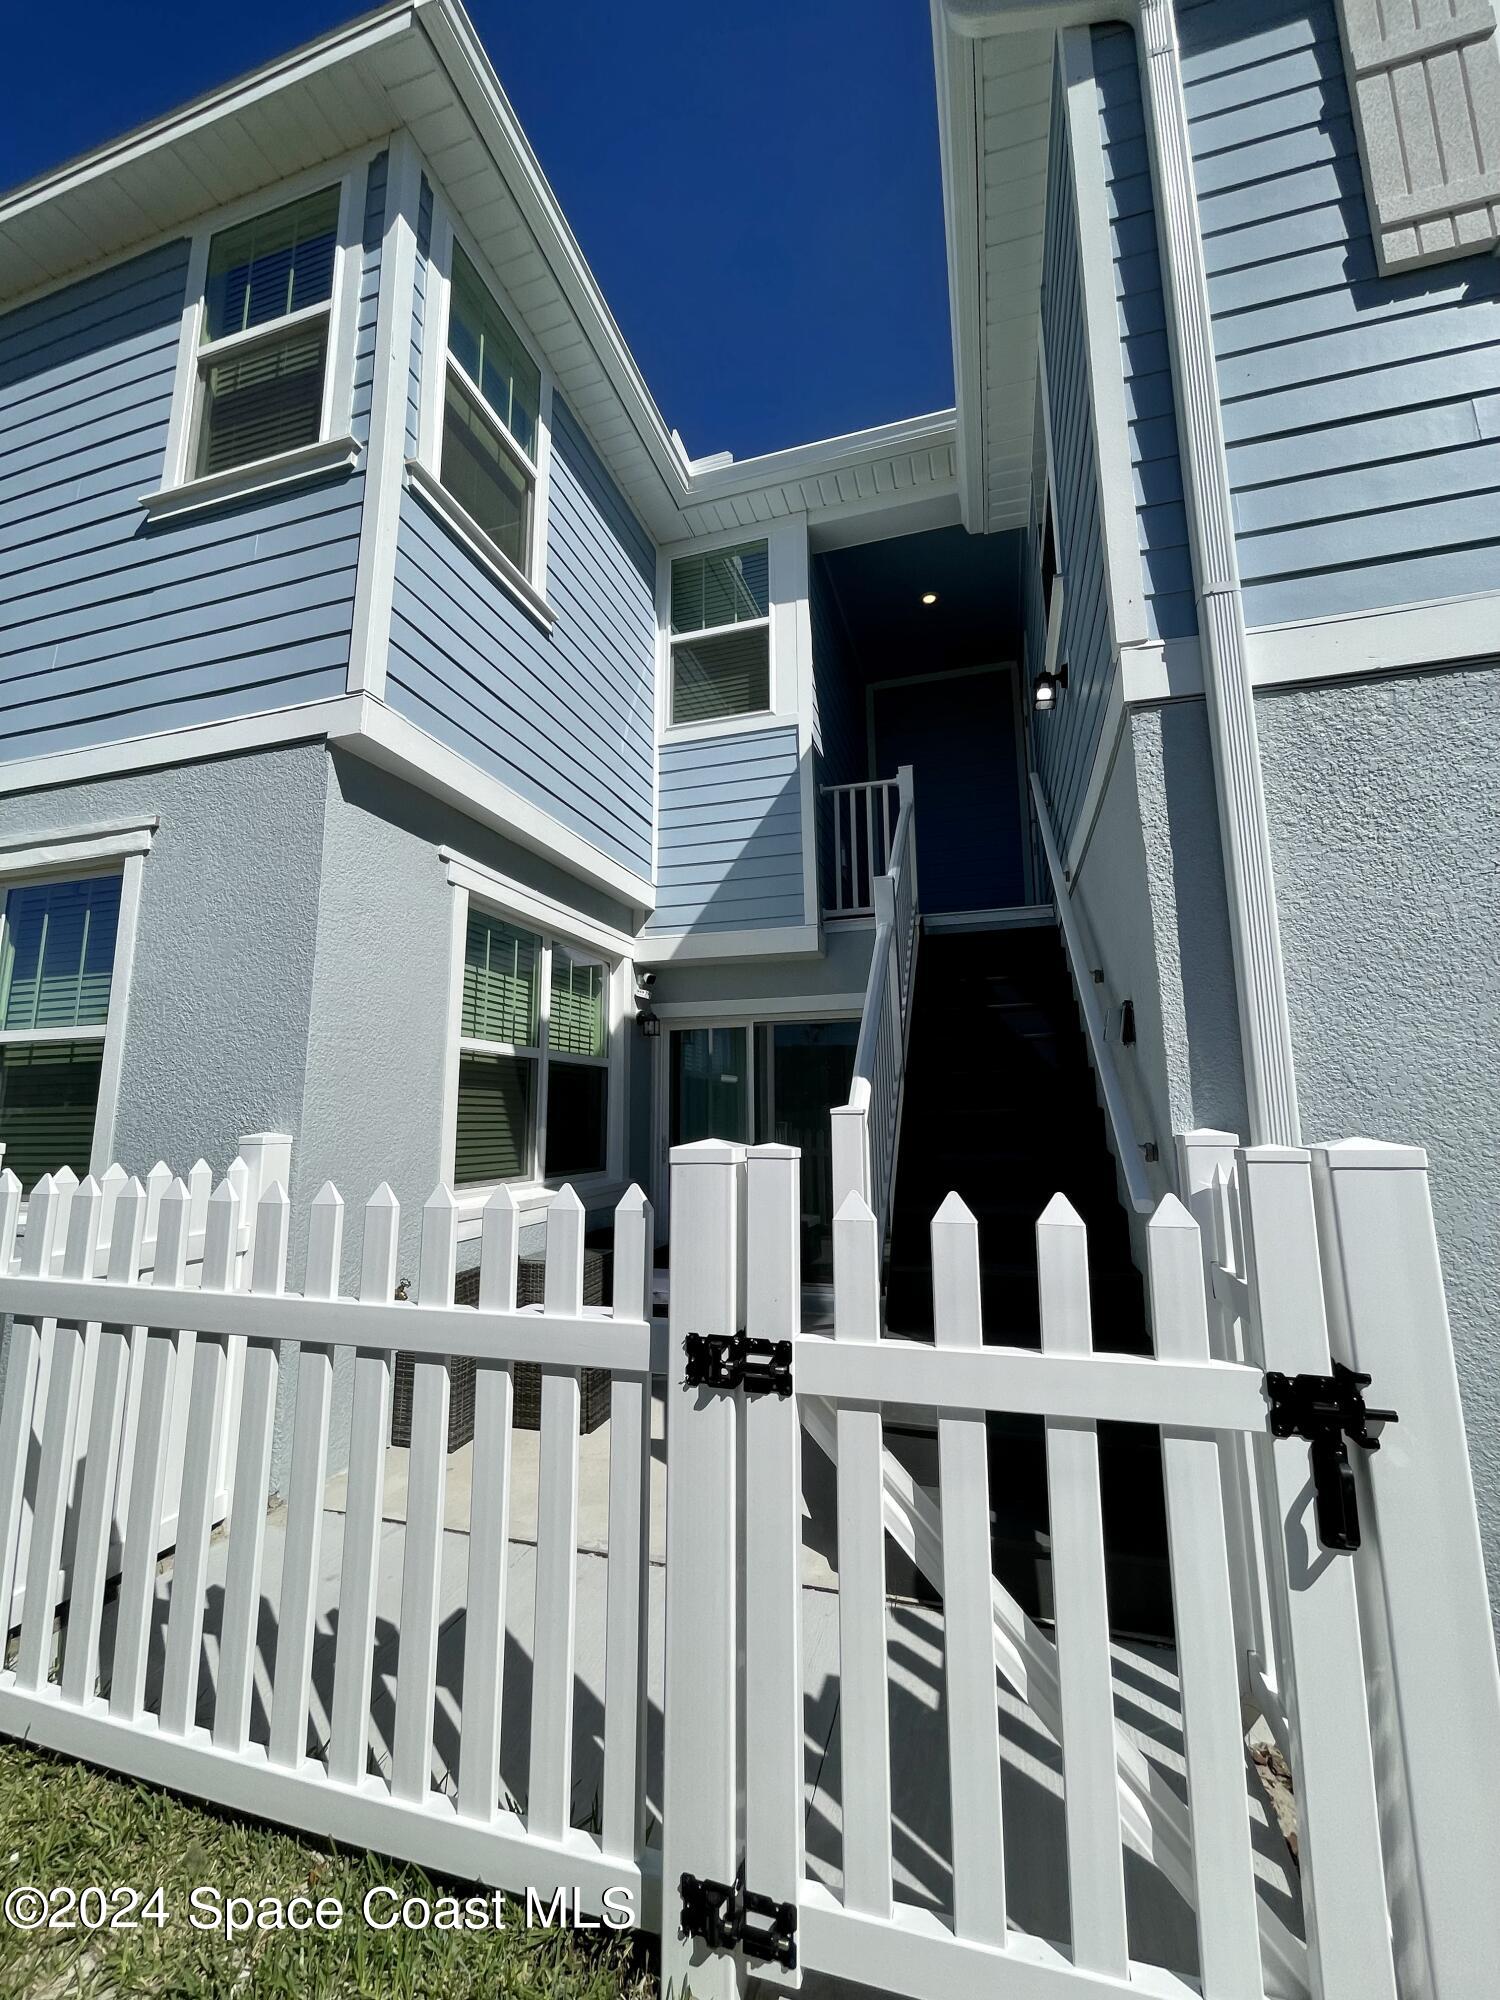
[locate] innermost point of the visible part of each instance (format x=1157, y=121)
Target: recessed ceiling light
x=929, y=597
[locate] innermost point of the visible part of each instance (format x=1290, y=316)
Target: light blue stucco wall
x=1063, y=742
x=1150, y=408
x=1362, y=413
x=110, y=626
x=565, y=718
x=730, y=842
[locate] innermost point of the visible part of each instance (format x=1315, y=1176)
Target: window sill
x=533, y=1198
x=461, y=524
x=244, y=482
x=726, y=725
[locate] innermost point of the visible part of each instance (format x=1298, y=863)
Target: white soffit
x=994, y=109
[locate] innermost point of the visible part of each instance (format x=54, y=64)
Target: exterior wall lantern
x=1046, y=688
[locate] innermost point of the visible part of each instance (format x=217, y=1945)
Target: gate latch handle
x=1330, y=1412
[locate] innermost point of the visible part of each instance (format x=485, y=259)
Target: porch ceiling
x=994, y=109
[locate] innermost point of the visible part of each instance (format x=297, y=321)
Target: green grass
x=63, y=1824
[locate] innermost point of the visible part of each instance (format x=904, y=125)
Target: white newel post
x=1430, y=1647
x=850, y=1139
x=700, y=1803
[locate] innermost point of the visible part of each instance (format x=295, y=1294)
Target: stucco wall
x=221, y=989
x=1381, y=801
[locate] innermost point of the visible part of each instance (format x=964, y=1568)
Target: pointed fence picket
x=140, y=1685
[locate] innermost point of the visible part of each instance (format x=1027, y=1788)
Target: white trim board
x=1443, y=632
x=784, y=1007
x=1015, y=917
x=108, y=840
x=533, y=906
x=782, y=941
x=380, y=736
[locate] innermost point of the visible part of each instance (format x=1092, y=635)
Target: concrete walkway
x=1162, y=1929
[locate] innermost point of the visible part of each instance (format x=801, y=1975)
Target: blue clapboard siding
x=369, y=297
x=418, y=317
x=1064, y=741
x=566, y=720
x=729, y=851
x=111, y=627
x=1362, y=413
x=1161, y=518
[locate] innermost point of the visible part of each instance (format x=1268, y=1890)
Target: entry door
x=958, y=733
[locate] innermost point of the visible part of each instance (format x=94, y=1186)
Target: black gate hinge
x=1331, y=1413
x=720, y=1913
x=735, y=1361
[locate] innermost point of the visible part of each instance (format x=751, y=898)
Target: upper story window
x=534, y=1057
x=57, y=959
x=265, y=332
x=721, y=634
x=492, y=400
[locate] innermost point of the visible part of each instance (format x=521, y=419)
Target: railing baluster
x=96, y=1505
x=364, y=1517
x=297, y=1624
x=252, y=1468
x=550, y=1795
x=179, y=1695
x=625, y=1701
x=489, y=1524
x=426, y=1491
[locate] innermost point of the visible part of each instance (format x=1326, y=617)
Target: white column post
x=1430, y=1647
x=700, y=1784
x=268, y=1157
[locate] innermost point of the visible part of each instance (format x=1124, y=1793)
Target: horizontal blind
x=49, y=1096
x=720, y=587
x=729, y=675
x=488, y=349
x=265, y=401
x=501, y=982
x=57, y=953
x=576, y=1025
x=275, y=264
x=496, y=1107
x=483, y=475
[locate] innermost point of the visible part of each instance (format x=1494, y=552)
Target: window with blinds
x=492, y=399
x=263, y=350
x=721, y=634
x=533, y=1078
x=57, y=954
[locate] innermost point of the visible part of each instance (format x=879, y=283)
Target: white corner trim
x=193, y=745
x=494, y=886
x=958, y=127
x=371, y=730
x=68, y=847
x=462, y=524
x=1250, y=886
x=779, y=941
x=242, y=482
x=375, y=572
x=1161, y=670
x=781, y=1007
x=117, y=1019
x=1126, y=602
x=1445, y=631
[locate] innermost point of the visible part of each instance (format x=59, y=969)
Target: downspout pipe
x=1244, y=833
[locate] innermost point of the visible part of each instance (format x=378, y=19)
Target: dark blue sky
x=755, y=186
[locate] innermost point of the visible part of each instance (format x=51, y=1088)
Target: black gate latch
x=1327, y=1410
x=720, y=1913
x=734, y=1361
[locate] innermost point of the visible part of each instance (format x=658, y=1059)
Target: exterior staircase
x=1000, y=1104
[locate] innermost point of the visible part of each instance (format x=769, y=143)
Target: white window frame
x=182, y=490
x=75, y=856
x=786, y=569
x=527, y=582
x=481, y=889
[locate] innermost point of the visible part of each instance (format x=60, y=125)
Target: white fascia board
x=958, y=148
x=376, y=733
x=823, y=457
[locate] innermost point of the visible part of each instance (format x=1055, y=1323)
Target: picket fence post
x=1424, y=1609
x=700, y=1806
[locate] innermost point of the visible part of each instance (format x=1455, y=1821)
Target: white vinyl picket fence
x=1376, y=1666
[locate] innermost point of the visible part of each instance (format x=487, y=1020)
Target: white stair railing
x=860, y=832
x=867, y=1130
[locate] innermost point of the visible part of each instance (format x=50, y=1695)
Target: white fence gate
x=273, y=1684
